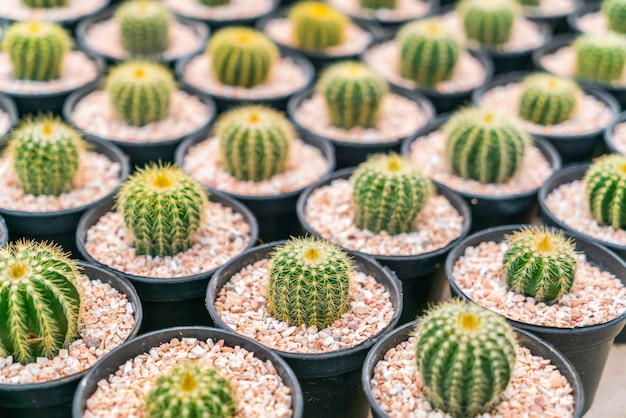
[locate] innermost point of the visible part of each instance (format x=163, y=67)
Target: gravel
x=235, y=9
x=16, y=10
x=548, y=8
x=404, y=10
x=619, y=138
x=592, y=23
x=5, y=122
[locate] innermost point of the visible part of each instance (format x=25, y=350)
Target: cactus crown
x=388, y=194
x=540, y=262
x=600, y=58
x=163, y=208
x=547, y=99
x=144, y=27
x=606, y=190
x=529, y=3
x=192, y=391
x=214, y=3
x=39, y=300
x=45, y=4
x=465, y=355
x=353, y=94
x=489, y=22
x=615, y=12
x=379, y=4
x=317, y=26
x=309, y=282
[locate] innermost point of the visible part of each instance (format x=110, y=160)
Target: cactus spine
x=309, y=282
x=144, y=27
x=254, y=142
x=192, y=391
x=39, y=300
x=379, y=4
x=483, y=145
x=606, y=190
x=317, y=26
x=600, y=58
x=163, y=208
x=540, y=262
x=465, y=354
x=615, y=12
x=489, y=22
x=353, y=94
x=214, y=3
x=36, y=50
x=548, y=100
x=45, y=4
x=242, y=56
x=388, y=194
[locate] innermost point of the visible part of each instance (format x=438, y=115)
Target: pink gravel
x=5, y=123
x=404, y=10
x=16, y=10
x=592, y=23
x=548, y=8
x=235, y=9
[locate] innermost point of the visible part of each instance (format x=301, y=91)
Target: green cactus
x=214, y=3
x=36, y=50
x=429, y=52
x=489, y=22
x=353, y=94
x=309, y=282
x=163, y=208
x=317, y=26
x=615, y=12
x=465, y=355
x=606, y=190
x=600, y=58
x=191, y=391
x=388, y=194
x=379, y=4
x=39, y=300
x=144, y=27
x=483, y=145
x=529, y=3
x=242, y=56
x=547, y=99
x=140, y=91
x=45, y=4
x=254, y=142
x=539, y=262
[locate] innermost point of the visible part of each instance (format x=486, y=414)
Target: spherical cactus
x=45, y=4
x=483, y=145
x=39, y=300
x=214, y=3
x=600, y=58
x=465, y=355
x=254, y=142
x=615, y=12
x=529, y=3
x=379, y=4
x=317, y=26
x=140, y=92
x=547, y=99
x=388, y=194
x=191, y=391
x=429, y=52
x=163, y=208
x=144, y=27
x=489, y=22
x=36, y=50
x=606, y=190
x=309, y=282
x=353, y=94
x=242, y=56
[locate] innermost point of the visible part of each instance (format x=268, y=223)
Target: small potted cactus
x=599, y=16
x=221, y=13
x=63, y=12
x=387, y=13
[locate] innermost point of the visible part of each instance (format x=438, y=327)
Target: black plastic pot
x=140, y=153
x=571, y=148
x=116, y=358
x=583, y=9
x=70, y=24
x=610, y=132
x=374, y=19
x=166, y=302
x=60, y=226
x=416, y=272
x=330, y=382
x=215, y=24
x=4, y=233
x=53, y=399
x=536, y=346
x=587, y=348
x=7, y=105
x=275, y=214
x=557, y=23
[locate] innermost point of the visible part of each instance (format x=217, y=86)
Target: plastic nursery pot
x=379, y=17
x=418, y=273
x=571, y=148
x=557, y=23
x=537, y=347
x=609, y=134
x=7, y=105
x=583, y=9
x=218, y=23
x=143, y=344
x=4, y=233
x=140, y=153
x=68, y=23
x=330, y=381
x=351, y=153
x=53, y=399
x=172, y=301
x=587, y=348
x=275, y=214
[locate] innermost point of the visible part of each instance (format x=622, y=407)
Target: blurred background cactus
x=45, y=4
x=488, y=22
x=547, y=99
x=379, y=4
x=531, y=3
x=317, y=26
x=606, y=190
x=144, y=27
x=600, y=58
x=615, y=12
x=214, y=3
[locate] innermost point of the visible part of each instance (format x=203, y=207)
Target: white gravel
x=592, y=23
x=16, y=10
x=5, y=123
x=548, y=8
x=563, y=63
x=404, y=10
x=235, y=9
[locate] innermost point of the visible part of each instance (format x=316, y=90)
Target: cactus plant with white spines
x=488, y=22
x=144, y=27
x=317, y=26
x=547, y=99
x=606, y=190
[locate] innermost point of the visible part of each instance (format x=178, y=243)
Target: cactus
x=606, y=190
x=539, y=262
x=317, y=26
x=465, y=355
x=483, y=145
x=254, y=142
x=388, y=194
x=242, y=56
x=144, y=27
x=529, y=3
x=39, y=300
x=489, y=22
x=45, y=4
x=600, y=58
x=379, y=4
x=615, y=12
x=214, y=3
x=309, y=282
x=429, y=52
x=353, y=94
x=163, y=208
x=192, y=391
x=36, y=50
x=547, y=99
x=140, y=92
x=45, y=154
